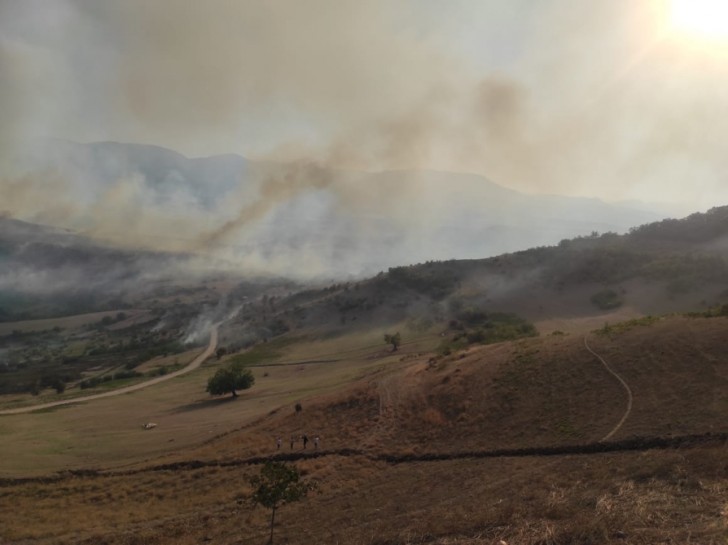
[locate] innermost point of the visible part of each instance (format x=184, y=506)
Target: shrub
x=606, y=299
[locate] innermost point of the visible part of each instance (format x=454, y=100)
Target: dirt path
x=194, y=364
x=626, y=387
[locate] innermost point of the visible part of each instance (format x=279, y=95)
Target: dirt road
x=626, y=387
x=194, y=364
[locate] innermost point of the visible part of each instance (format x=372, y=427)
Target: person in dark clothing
x=293, y=441
x=305, y=441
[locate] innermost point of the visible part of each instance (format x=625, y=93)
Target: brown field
x=540, y=392
x=108, y=432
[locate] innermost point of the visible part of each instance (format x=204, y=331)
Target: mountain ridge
x=340, y=222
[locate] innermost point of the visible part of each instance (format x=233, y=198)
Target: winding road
x=194, y=364
x=626, y=387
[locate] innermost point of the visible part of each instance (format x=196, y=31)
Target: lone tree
x=229, y=379
x=395, y=340
x=277, y=484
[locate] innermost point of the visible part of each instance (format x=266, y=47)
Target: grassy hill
x=410, y=451
x=473, y=432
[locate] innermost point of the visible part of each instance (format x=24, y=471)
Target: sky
x=605, y=98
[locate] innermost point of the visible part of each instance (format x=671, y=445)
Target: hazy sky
x=600, y=98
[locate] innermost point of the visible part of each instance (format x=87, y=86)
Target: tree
x=395, y=340
x=277, y=484
x=229, y=379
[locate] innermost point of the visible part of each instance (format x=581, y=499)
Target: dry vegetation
x=533, y=392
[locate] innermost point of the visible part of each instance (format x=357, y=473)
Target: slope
x=531, y=393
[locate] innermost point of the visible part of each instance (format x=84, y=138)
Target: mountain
x=309, y=220
x=99, y=165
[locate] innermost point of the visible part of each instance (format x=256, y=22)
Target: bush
x=606, y=299
x=493, y=328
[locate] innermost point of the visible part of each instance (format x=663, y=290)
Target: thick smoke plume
x=589, y=99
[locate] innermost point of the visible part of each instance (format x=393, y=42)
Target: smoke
x=588, y=99
x=291, y=181
x=199, y=328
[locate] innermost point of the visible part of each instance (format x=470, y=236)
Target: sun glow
x=701, y=19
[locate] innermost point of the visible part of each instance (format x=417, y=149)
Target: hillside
x=575, y=286
x=410, y=454
x=475, y=431
x=537, y=391
x=667, y=266
x=48, y=272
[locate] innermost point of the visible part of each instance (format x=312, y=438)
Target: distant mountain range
x=309, y=220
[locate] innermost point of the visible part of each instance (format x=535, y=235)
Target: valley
x=565, y=394
x=363, y=273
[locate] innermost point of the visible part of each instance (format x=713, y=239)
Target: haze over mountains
x=301, y=220
x=427, y=230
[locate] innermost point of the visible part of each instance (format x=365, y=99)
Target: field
x=67, y=322
x=107, y=432
x=410, y=446
x=649, y=497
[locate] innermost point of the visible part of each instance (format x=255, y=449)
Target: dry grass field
x=186, y=481
x=108, y=432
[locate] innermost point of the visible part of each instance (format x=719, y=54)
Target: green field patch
x=477, y=327
x=260, y=354
x=264, y=352
x=621, y=327
x=75, y=349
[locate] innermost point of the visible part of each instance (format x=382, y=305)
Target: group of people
x=303, y=438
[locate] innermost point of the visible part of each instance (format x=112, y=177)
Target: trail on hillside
x=194, y=364
x=626, y=387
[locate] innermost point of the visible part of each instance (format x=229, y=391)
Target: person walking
x=316, y=440
x=305, y=441
x=279, y=440
x=293, y=441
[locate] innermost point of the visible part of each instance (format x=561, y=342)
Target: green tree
x=229, y=379
x=277, y=484
x=395, y=340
